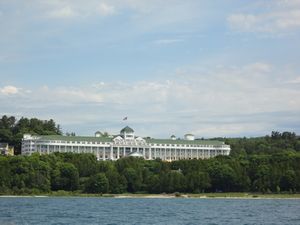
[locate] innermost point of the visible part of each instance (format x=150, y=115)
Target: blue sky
x=211, y=68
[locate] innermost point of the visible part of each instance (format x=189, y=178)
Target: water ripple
x=109, y=211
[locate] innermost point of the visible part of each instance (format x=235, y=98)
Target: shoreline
x=165, y=196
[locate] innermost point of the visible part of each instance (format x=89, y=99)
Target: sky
x=212, y=68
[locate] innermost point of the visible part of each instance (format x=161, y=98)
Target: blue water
x=111, y=211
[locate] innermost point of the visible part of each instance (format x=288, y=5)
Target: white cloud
x=243, y=22
x=294, y=81
x=259, y=67
x=67, y=9
x=9, y=90
x=289, y=3
x=280, y=17
x=65, y=96
x=65, y=12
x=147, y=14
x=105, y=9
x=289, y=19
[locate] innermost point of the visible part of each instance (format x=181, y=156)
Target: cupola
x=127, y=133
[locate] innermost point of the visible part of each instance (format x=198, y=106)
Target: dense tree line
x=12, y=130
x=278, y=172
x=275, y=143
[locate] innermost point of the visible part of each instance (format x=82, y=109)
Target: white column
x=111, y=152
x=175, y=153
x=48, y=149
x=150, y=154
x=97, y=153
x=103, y=153
x=118, y=152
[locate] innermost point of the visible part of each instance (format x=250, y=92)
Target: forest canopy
x=274, y=173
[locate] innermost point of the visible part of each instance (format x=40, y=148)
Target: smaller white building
x=189, y=137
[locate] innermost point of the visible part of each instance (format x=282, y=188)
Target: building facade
x=126, y=144
x=5, y=149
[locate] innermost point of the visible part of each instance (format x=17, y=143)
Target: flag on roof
x=125, y=118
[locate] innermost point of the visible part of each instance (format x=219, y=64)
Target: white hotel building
x=126, y=144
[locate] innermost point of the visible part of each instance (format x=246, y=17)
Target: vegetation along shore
x=266, y=166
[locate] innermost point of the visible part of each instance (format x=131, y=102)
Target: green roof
x=74, y=138
x=106, y=139
x=127, y=129
x=195, y=142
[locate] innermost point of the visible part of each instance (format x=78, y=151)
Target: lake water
x=111, y=211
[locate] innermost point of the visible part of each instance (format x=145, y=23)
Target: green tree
x=197, y=182
x=134, y=179
x=172, y=181
x=65, y=177
x=153, y=184
x=117, y=183
x=288, y=181
x=40, y=174
x=19, y=172
x=4, y=174
x=262, y=180
x=97, y=184
x=85, y=163
x=222, y=177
